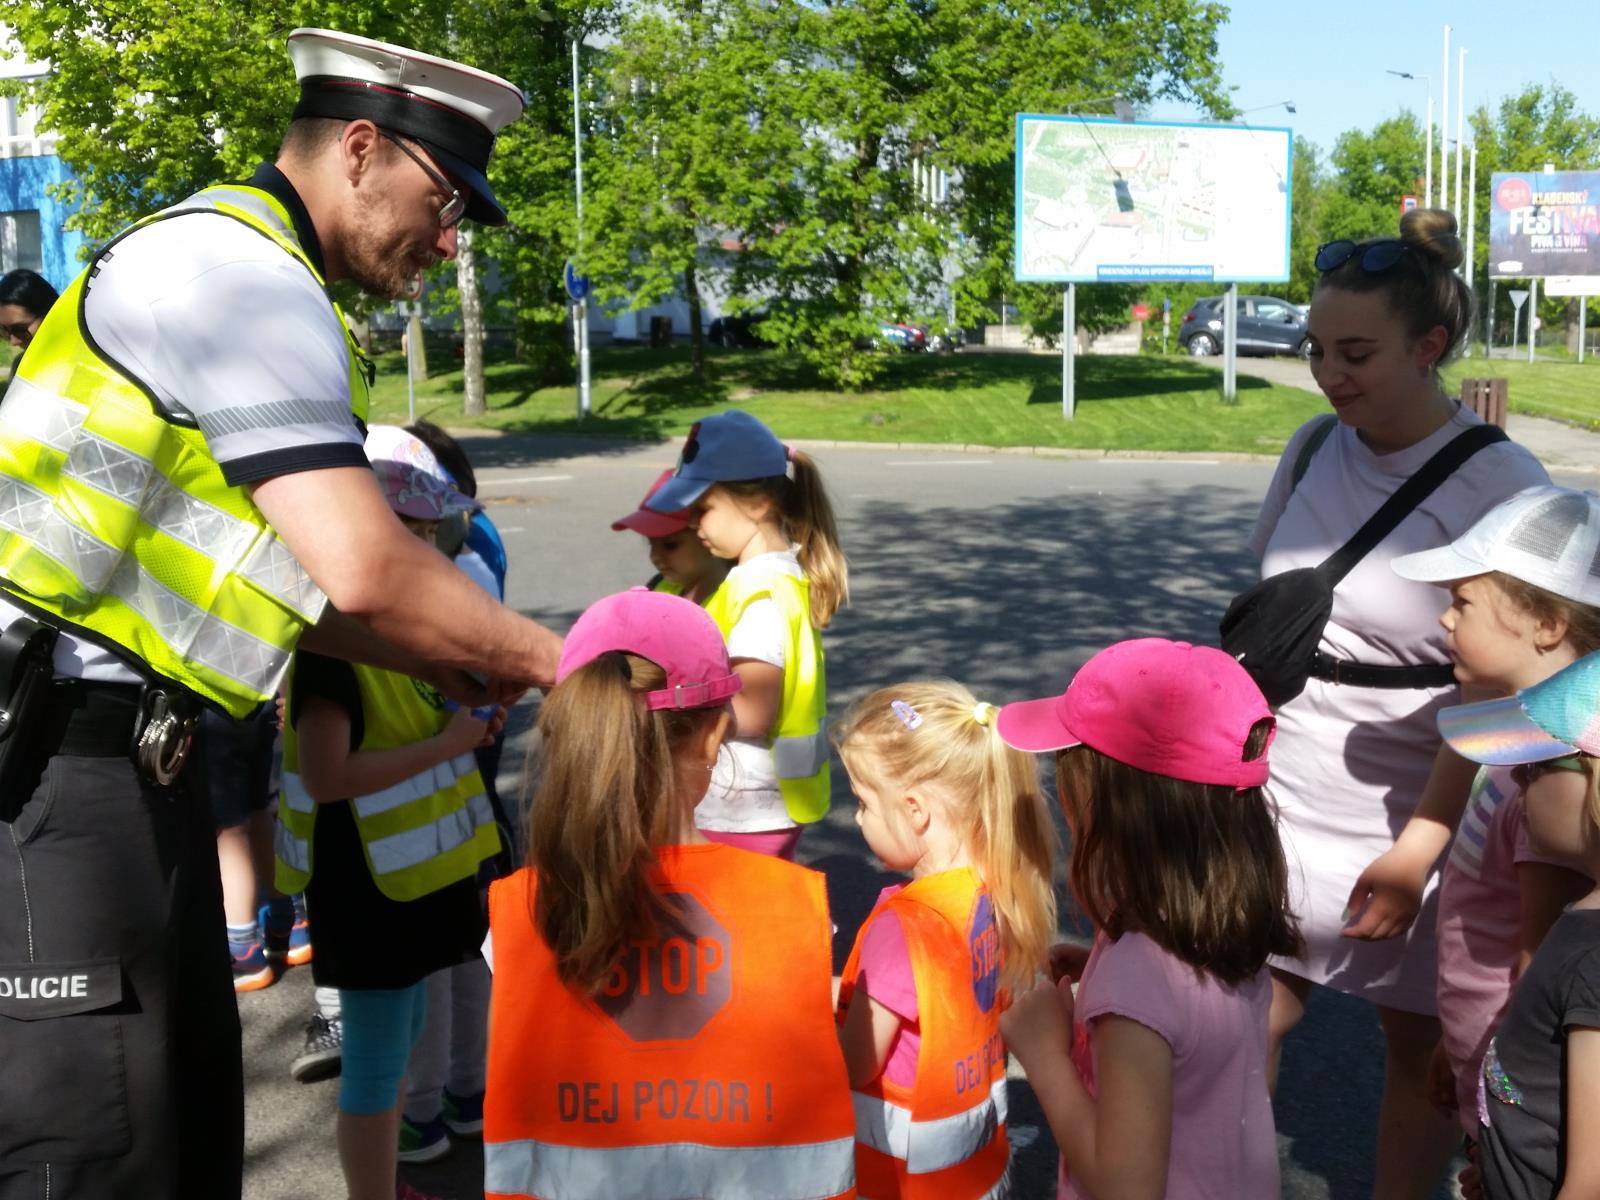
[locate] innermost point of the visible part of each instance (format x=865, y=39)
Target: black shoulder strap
x=1309, y=447
x=1406, y=497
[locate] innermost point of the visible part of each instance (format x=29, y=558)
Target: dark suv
x=1267, y=325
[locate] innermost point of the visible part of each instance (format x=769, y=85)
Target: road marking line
x=527, y=479
x=510, y=528
x=1158, y=462
x=941, y=462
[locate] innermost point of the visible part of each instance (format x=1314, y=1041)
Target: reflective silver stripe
x=216, y=197
x=242, y=657
x=41, y=416
x=800, y=757
x=804, y=1172
x=929, y=1145
x=117, y=472
x=294, y=851
x=295, y=794
x=273, y=568
x=457, y=827
x=423, y=783
x=32, y=515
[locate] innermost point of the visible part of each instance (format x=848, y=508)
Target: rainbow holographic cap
x=1552, y=719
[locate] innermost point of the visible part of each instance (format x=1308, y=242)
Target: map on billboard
x=1100, y=200
x=1544, y=223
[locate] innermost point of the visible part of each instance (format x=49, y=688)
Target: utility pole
x=1444, y=123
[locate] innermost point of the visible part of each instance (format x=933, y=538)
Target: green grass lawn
x=976, y=398
x=1562, y=391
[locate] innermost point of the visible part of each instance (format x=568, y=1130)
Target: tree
x=1372, y=171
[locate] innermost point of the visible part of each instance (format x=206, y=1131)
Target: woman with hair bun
x=1368, y=796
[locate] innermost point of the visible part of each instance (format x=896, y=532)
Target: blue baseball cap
x=726, y=448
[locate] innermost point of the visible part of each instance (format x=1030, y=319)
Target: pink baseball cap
x=1168, y=708
x=654, y=524
x=675, y=634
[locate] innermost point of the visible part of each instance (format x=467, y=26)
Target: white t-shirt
x=744, y=796
x=229, y=331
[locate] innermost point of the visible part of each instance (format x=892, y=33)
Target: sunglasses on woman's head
x=1376, y=257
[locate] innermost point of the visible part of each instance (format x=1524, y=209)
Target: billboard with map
x=1100, y=200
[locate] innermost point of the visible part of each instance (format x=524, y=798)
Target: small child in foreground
x=1161, y=754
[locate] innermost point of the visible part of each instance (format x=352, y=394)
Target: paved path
x=1004, y=571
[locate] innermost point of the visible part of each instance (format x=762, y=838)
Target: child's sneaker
x=251, y=970
x=404, y=1191
x=298, y=953
x=423, y=1143
x=286, y=934
x=463, y=1114
x=323, y=1056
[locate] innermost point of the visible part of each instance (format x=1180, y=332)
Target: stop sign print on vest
x=669, y=989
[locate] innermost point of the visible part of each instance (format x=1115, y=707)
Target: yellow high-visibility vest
x=420, y=834
x=798, y=742
x=116, y=523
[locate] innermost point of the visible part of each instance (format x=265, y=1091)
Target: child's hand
x=1067, y=960
x=465, y=732
x=1470, y=1180
x=1038, y=1025
x=1386, y=896
x=1442, y=1082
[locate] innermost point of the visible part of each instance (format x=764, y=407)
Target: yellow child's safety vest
x=799, y=742
x=419, y=835
x=116, y=522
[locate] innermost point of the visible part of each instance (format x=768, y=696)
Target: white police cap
x=454, y=110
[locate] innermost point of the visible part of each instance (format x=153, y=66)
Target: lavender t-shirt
x=1223, y=1143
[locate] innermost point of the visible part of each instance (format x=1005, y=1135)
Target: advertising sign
x=1544, y=223
x=1572, y=285
x=1100, y=200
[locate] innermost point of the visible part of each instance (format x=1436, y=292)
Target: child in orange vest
x=943, y=798
x=1161, y=754
x=660, y=1022
x=684, y=564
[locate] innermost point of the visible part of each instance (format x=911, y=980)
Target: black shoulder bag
x=1275, y=628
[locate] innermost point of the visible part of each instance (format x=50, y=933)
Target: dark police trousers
x=120, y=1074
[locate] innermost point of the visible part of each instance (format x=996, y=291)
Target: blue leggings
x=380, y=1027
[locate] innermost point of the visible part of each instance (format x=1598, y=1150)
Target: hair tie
x=788, y=453
x=983, y=712
x=909, y=717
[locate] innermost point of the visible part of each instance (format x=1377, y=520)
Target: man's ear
x=360, y=147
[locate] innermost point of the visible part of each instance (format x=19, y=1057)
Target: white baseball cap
x=454, y=110
x=1547, y=536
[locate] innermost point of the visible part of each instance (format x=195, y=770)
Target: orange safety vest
x=707, y=1065
x=943, y=1138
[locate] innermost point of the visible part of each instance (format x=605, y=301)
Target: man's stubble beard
x=377, y=257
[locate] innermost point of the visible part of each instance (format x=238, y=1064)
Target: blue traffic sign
x=577, y=285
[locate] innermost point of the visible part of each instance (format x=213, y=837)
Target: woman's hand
x=1038, y=1025
x=1387, y=895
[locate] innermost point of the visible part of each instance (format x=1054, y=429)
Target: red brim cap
x=652, y=524
x=1035, y=726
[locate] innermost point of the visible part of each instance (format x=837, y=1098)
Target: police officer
x=183, y=498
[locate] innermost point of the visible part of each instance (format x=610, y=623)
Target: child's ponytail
x=607, y=799
x=808, y=515
x=936, y=735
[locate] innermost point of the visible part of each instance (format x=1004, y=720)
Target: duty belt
x=152, y=725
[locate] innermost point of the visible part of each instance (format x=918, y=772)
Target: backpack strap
x=1309, y=447
x=1406, y=498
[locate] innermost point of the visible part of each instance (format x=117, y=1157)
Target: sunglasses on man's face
x=17, y=331
x=1374, y=257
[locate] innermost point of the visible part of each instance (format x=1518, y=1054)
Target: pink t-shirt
x=885, y=975
x=1480, y=927
x=1224, y=1146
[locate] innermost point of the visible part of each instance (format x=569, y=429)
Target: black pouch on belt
x=26, y=649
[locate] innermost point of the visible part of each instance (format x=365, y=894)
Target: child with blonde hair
x=1161, y=758
x=1523, y=588
x=661, y=1017
x=1540, y=1081
x=942, y=798
x=788, y=579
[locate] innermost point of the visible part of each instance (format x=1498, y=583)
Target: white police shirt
x=224, y=327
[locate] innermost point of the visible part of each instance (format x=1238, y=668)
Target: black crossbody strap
x=1406, y=498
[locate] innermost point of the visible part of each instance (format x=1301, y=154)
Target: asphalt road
x=1004, y=571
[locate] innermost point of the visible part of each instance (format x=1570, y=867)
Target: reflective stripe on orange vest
x=530, y=1168
x=943, y=1137
x=706, y=1064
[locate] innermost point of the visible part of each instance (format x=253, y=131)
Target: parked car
x=1267, y=325
x=899, y=336
x=737, y=331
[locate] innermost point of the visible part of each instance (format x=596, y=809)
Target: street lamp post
x=581, y=325
x=1461, y=106
x=1427, y=137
